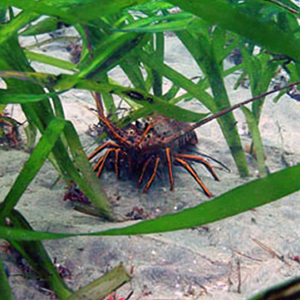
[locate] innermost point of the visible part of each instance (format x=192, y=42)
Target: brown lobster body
x=141, y=148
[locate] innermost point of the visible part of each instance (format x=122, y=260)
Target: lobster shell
x=141, y=148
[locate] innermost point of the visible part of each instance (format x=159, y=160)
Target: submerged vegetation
x=262, y=39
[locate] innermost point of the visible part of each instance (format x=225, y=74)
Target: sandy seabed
x=202, y=263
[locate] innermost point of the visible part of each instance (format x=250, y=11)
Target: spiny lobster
x=141, y=148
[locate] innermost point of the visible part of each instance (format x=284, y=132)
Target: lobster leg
x=96, y=167
x=101, y=147
x=184, y=164
x=144, y=170
x=101, y=166
x=147, y=186
x=202, y=161
x=117, y=151
x=169, y=161
x=118, y=137
x=149, y=127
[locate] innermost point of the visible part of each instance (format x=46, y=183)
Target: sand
x=200, y=263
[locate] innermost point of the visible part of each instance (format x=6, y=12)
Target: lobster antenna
x=96, y=95
x=213, y=159
x=223, y=112
x=99, y=104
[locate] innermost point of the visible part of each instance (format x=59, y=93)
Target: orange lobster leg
x=169, y=161
x=113, y=131
x=144, y=170
x=202, y=161
x=117, y=151
x=96, y=167
x=101, y=147
x=150, y=125
x=103, y=161
x=194, y=174
x=147, y=186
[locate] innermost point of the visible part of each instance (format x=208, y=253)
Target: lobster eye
x=131, y=131
x=139, y=124
x=149, y=135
